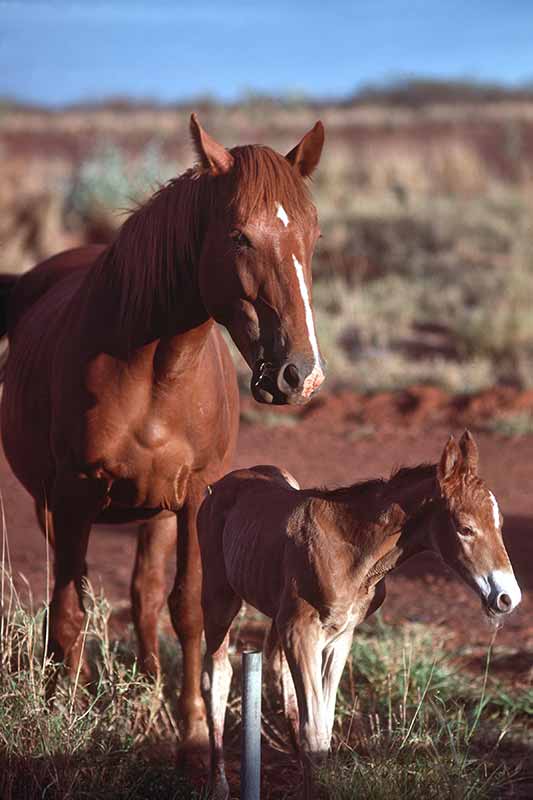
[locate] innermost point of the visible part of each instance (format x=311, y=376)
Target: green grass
x=411, y=722
x=115, y=738
x=423, y=728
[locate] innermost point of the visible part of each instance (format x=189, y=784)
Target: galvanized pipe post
x=251, y=725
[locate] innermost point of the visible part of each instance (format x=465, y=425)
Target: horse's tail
x=7, y=284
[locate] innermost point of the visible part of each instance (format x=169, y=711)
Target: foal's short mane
x=151, y=264
x=377, y=486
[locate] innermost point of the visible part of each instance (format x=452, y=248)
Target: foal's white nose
x=504, y=591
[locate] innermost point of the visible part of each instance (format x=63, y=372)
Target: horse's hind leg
x=76, y=503
x=155, y=541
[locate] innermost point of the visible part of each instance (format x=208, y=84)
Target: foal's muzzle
x=500, y=592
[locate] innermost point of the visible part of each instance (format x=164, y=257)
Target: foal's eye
x=240, y=239
x=464, y=530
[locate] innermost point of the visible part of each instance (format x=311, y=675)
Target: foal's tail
x=7, y=284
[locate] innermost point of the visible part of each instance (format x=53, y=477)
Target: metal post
x=251, y=725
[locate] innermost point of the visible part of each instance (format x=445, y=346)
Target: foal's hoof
x=219, y=790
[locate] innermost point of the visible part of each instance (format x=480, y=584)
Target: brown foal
x=314, y=561
x=120, y=400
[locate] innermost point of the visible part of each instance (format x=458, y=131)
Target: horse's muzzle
x=292, y=383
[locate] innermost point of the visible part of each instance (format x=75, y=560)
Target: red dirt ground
x=335, y=440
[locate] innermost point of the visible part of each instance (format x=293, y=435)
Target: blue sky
x=55, y=52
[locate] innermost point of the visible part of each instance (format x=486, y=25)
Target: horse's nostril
x=503, y=602
x=291, y=376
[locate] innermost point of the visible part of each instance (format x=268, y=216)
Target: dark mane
x=376, y=486
x=152, y=262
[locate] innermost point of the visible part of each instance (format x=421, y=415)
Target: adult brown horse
x=120, y=399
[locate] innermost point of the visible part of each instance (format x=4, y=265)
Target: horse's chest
x=148, y=461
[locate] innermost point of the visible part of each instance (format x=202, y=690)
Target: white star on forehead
x=282, y=214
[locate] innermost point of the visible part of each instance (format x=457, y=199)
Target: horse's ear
x=450, y=462
x=306, y=155
x=213, y=156
x=469, y=450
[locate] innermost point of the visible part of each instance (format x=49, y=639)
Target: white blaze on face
x=282, y=214
x=495, y=510
x=316, y=376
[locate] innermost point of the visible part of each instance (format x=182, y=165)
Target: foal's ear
x=469, y=450
x=450, y=461
x=306, y=155
x=213, y=156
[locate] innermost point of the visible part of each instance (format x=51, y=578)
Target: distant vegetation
x=425, y=194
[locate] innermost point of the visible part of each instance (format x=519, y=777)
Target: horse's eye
x=466, y=531
x=240, y=239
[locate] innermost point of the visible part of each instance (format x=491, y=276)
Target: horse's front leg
x=156, y=540
x=186, y=614
x=76, y=502
x=302, y=639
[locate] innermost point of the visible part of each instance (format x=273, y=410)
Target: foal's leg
x=221, y=606
x=75, y=505
x=279, y=665
x=219, y=672
x=301, y=636
x=334, y=661
x=156, y=539
x=186, y=613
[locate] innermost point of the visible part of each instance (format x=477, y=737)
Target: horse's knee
x=65, y=625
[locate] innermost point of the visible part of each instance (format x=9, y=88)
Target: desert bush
x=423, y=274
x=107, y=185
